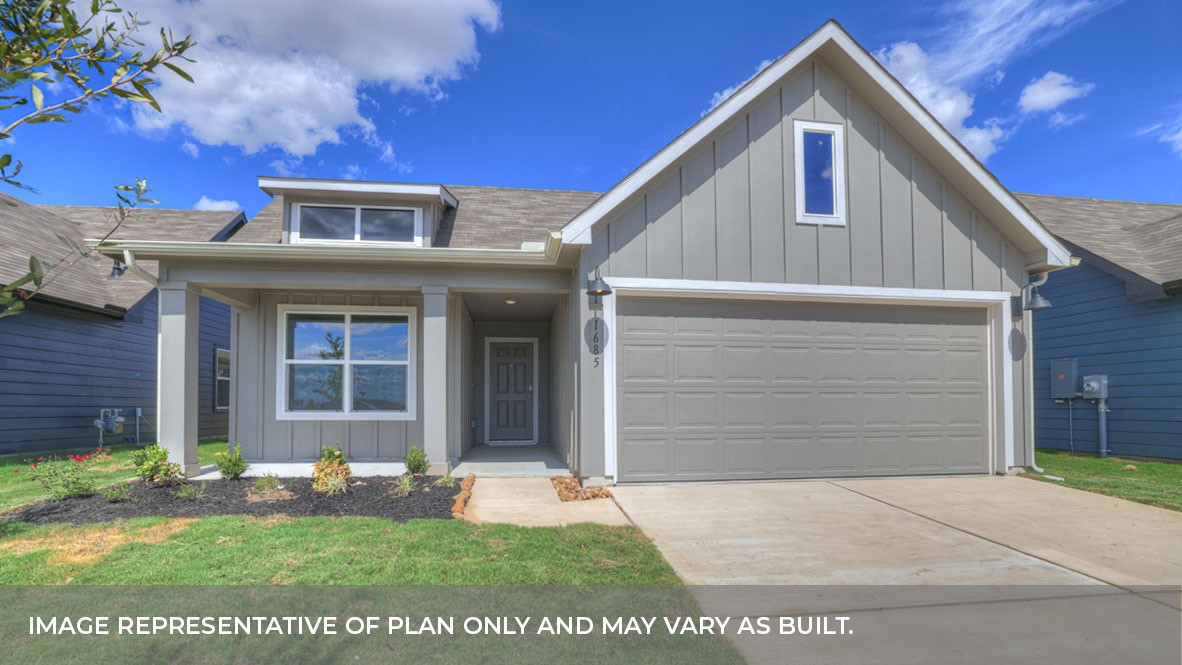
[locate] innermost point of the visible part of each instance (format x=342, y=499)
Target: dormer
x=350, y=212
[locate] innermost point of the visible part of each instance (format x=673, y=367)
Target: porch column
x=434, y=373
x=176, y=373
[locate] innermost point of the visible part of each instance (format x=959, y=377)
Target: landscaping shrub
x=403, y=485
x=265, y=483
x=231, y=464
x=190, y=491
x=331, y=474
x=64, y=478
x=416, y=462
x=118, y=493
x=152, y=465
x=448, y=481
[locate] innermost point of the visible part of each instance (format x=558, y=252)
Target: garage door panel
x=748, y=389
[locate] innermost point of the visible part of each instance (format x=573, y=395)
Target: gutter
x=129, y=261
x=540, y=254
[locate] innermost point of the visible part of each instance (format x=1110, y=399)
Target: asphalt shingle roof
x=1145, y=238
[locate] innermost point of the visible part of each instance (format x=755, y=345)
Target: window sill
x=358, y=243
x=821, y=221
x=338, y=416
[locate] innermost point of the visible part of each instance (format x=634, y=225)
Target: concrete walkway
x=533, y=502
x=511, y=462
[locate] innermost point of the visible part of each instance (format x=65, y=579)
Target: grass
x=1154, y=483
x=325, y=550
x=16, y=489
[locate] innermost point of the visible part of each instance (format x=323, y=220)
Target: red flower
x=40, y=459
x=86, y=457
x=34, y=465
x=16, y=470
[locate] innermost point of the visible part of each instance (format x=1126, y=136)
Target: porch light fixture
x=510, y=302
x=1036, y=301
x=597, y=286
x=117, y=270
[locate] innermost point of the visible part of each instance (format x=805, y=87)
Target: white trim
x=298, y=211
x=273, y=186
x=997, y=303
x=281, y=362
x=799, y=127
x=488, y=342
x=576, y=231
x=230, y=379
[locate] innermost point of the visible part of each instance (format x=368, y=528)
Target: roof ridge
x=131, y=210
x=528, y=189
x=1099, y=200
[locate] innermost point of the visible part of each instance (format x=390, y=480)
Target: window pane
x=223, y=370
x=222, y=398
x=323, y=223
x=314, y=388
x=379, y=338
x=818, y=173
x=379, y=387
x=387, y=225
x=315, y=336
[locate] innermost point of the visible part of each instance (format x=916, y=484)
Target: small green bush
x=266, y=483
x=230, y=464
x=449, y=481
x=416, y=462
x=152, y=465
x=190, y=491
x=118, y=493
x=331, y=474
x=64, y=478
x=403, y=485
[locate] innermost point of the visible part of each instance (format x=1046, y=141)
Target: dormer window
x=350, y=224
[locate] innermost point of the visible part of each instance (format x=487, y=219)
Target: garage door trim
x=1000, y=358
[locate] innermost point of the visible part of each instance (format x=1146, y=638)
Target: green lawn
x=1154, y=483
x=16, y=488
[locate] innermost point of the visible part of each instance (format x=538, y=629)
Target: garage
x=734, y=389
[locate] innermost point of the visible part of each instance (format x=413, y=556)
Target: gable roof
x=32, y=230
x=484, y=217
x=897, y=106
x=1144, y=238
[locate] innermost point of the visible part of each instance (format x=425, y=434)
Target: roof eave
x=276, y=186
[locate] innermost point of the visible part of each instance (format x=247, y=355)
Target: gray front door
x=511, y=391
x=713, y=389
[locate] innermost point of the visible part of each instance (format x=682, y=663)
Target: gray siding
x=727, y=211
x=59, y=366
x=264, y=437
x=1139, y=347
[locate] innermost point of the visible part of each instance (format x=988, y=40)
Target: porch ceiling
x=529, y=307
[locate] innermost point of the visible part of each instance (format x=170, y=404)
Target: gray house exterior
x=1119, y=314
x=88, y=342
x=815, y=280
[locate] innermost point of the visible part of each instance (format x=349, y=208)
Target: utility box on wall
x=1095, y=386
x=1064, y=378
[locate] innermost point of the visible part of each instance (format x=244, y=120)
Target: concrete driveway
x=970, y=530
x=991, y=569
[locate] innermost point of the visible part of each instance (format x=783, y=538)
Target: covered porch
x=479, y=370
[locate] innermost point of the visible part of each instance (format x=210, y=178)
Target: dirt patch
x=570, y=489
x=89, y=546
x=269, y=496
x=369, y=497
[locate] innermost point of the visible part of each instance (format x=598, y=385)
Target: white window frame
x=281, y=363
x=839, y=193
x=297, y=212
x=217, y=352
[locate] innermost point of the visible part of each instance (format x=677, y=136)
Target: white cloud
x=289, y=75
x=353, y=172
x=206, y=203
x=1051, y=91
x=190, y=149
x=1169, y=133
x=722, y=95
x=975, y=43
x=1059, y=119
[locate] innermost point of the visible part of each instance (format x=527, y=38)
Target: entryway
x=511, y=462
x=511, y=376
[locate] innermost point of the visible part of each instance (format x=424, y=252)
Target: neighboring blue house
x=1118, y=313
x=87, y=342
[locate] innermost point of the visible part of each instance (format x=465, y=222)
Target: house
x=1117, y=314
x=87, y=341
x=814, y=280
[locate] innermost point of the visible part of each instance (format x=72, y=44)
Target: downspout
x=1039, y=280
x=129, y=261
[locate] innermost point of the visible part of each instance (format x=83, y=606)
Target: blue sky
x=1070, y=97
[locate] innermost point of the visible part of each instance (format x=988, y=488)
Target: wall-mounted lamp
x=598, y=287
x=117, y=270
x=1032, y=303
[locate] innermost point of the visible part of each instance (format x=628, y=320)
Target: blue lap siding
x=1139, y=347
x=59, y=366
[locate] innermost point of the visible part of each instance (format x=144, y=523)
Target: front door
x=511, y=392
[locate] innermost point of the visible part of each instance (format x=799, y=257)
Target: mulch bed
x=369, y=497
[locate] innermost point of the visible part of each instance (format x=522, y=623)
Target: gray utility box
x=1065, y=378
x=1095, y=386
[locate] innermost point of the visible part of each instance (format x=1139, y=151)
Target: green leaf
x=38, y=97
x=36, y=270
x=5, y=160
x=178, y=71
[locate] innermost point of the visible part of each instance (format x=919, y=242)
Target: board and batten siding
x=726, y=212
x=1138, y=345
x=266, y=438
x=59, y=366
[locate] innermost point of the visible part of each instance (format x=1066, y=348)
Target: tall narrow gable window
x=221, y=380
x=820, y=173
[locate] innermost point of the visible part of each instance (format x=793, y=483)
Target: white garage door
x=740, y=389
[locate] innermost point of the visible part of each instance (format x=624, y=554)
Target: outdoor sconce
x=598, y=287
x=1032, y=304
